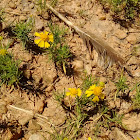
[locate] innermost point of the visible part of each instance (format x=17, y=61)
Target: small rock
x=31, y=5
x=103, y=79
x=25, y=119
x=22, y=18
x=33, y=125
x=27, y=74
x=117, y=134
x=78, y=65
x=3, y=108
x=88, y=68
x=125, y=106
x=133, y=60
x=39, y=105
x=36, y=137
x=132, y=39
x=111, y=104
x=12, y=5
x=38, y=23
x=102, y=16
x=120, y=34
x=131, y=122
x=137, y=73
x=7, y=135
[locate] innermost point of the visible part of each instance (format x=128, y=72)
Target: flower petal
x=68, y=93
x=37, y=41
x=79, y=92
x=89, y=138
x=92, y=87
x=37, y=34
x=41, y=44
x=102, y=96
x=47, y=45
x=95, y=99
x=89, y=93
x=45, y=32
x=50, y=37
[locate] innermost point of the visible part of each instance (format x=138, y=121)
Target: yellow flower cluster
x=96, y=91
x=3, y=52
x=73, y=92
x=44, y=38
x=93, y=90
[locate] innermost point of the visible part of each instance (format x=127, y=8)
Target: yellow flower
x=89, y=138
x=90, y=91
x=44, y=39
x=74, y=92
x=1, y=38
x=3, y=52
x=97, y=91
x=95, y=99
x=102, y=96
x=65, y=139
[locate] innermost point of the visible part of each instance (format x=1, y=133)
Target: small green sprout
x=22, y=30
x=9, y=71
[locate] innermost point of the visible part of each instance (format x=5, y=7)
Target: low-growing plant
x=9, y=68
x=53, y=3
x=79, y=103
x=22, y=30
x=124, y=10
x=1, y=15
x=107, y=119
x=136, y=100
x=55, y=45
x=121, y=85
x=41, y=5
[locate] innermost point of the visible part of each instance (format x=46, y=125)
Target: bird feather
x=105, y=52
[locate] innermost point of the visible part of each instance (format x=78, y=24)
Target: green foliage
x=22, y=30
x=107, y=119
x=1, y=15
x=9, y=72
x=123, y=9
x=136, y=100
x=41, y=4
x=53, y=3
x=59, y=50
x=136, y=51
x=121, y=84
x=88, y=80
x=58, y=33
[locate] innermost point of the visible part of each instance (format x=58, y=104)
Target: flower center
x=44, y=37
x=73, y=91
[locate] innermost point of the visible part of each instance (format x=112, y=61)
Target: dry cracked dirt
x=30, y=111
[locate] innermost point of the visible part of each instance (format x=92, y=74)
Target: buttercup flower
x=89, y=138
x=97, y=91
x=3, y=52
x=95, y=99
x=44, y=38
x=74, y=92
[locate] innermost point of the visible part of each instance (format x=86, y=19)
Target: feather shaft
x=105, y=52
